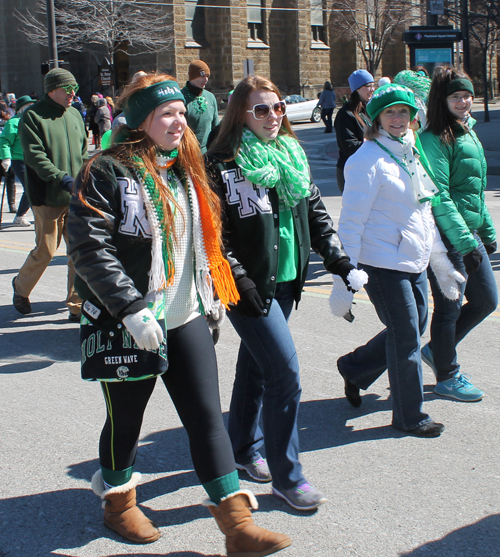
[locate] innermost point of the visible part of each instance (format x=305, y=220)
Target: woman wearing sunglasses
x=145, y=238
x=457, y=159
x=273, y=215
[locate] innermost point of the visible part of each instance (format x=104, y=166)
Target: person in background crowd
x=387, y=228
x=8, y=175
x=202, y=112
x=111, y=108
x=54, y=145
x=153, y=271
x=102, y=117
x=11, y=155
x=352, y=120
x=92, y=124
x=273, y=215
x=459, y=166
x=327, y=102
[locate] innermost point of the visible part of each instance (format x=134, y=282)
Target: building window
x=254, y=19
x=318, y=30
x=195, y=23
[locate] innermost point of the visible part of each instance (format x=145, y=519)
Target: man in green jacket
x=202, y=113
x=55, y=147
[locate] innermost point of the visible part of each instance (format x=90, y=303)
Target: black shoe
x=21, y=303
x=432, y=429
x=74, y=317
x=12, y=209
x=350, y=390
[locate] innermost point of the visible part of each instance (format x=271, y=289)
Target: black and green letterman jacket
x=251, y=229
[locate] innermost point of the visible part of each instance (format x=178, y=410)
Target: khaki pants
x=50, y=226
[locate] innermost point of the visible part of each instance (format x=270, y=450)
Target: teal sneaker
x=460, y=388
x=427, y=357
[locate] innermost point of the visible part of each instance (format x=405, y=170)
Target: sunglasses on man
x=262, y=111
x=70, y=88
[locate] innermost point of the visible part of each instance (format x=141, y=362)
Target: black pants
x=192, y=382
x=340, y=179
x=326, y=116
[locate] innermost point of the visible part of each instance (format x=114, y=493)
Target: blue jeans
x=400, y=300
x=24, y=204
x=453, y=320
x=267, y=379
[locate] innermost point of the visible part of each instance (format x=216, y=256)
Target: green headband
x=140, y=104
x=459, y=85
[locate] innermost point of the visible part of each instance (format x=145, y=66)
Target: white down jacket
x=382, y=223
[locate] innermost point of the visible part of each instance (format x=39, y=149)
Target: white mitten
x=145, y=329
x=357, y=279
x=340, y=298
x=448, y=278
x=6, y=164
x=216, y=316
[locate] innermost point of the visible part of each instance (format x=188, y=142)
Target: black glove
x=67, y=183
x=342, y=268
x=490, y=248
x=250, y=303
x=472, y=261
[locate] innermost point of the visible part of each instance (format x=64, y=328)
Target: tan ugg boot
x=121, y=513
x=243, y=538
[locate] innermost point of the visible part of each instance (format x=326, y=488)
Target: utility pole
x=51, y=30
x=464, y=25
x=432, y=19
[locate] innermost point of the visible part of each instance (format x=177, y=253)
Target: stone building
x=295, y=43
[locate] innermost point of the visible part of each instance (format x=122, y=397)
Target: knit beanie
x=359, y=78
x=58, y=77
x=21, y=101
x=389, y=95
x=198, y=68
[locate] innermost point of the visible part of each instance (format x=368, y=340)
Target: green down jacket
x=460, y=170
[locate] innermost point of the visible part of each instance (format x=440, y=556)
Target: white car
x=298, y=108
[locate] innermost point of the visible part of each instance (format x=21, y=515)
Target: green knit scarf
x=281, y=163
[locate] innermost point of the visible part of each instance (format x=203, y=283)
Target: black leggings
x=192, y=382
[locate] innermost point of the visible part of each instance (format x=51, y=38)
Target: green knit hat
x=58, y=77
x=21, y=101
x=389, y=95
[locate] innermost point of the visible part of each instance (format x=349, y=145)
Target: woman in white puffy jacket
x=387, y=229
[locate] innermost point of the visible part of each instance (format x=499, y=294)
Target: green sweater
x=10, y=144
x=460, y=170
x=202, y=123
x=55, y=145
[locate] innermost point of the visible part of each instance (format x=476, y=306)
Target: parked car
x=298, y=108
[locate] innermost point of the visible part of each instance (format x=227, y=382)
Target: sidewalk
x=489, y=135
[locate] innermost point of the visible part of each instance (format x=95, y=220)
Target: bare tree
x=485, y=33
x=373, y=24
x=134, y=27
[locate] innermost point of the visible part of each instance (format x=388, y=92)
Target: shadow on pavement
x=478, y=539
x=40, y=524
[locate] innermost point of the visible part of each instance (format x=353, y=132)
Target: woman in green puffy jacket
x=457, y=159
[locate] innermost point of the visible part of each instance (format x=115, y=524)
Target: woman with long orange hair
x=146, y=243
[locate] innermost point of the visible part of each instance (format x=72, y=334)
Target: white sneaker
x=21, y=221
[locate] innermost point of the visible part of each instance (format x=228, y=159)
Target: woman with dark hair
x=327, y=101
x=273, y=215
x=145, y=238
x=352, y=120
x=459, y=166
x=387, y=228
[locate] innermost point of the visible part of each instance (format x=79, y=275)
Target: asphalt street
x=389, y=495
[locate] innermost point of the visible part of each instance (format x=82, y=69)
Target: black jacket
x=251, y=229
x=349, y=133
x=111, y=251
